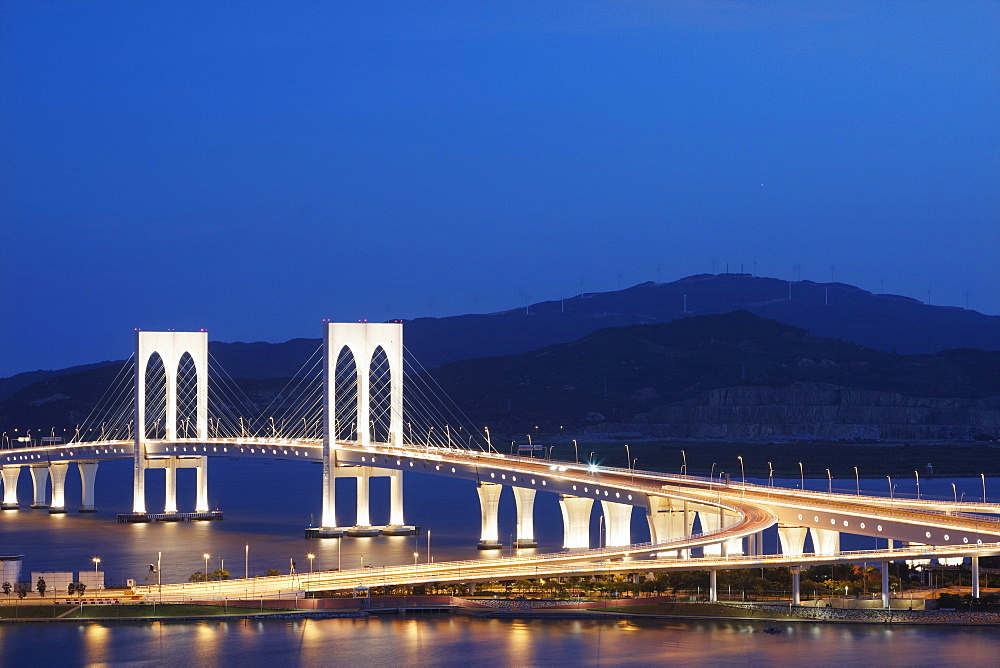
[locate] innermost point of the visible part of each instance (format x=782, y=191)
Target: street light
x=954, y=491
x=742, y=472
x=206, y=556
x=415, y=555
x=628, y=457
x=684, y=467
x=310, y=556
x=96, y=561
x=889, y=478
x=770, y=475
x=857, y=480
x=802, y=476
x=983, y=476
x=918, y=484
x=576, y=451
x=829, y=479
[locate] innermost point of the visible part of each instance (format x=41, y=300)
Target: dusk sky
x=254, y=167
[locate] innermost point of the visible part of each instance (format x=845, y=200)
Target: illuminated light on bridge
x=353, y=423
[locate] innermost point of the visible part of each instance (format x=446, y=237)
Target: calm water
x=268, y=505
x=463, y=641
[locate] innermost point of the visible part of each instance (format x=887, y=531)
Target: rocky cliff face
x=816, y=410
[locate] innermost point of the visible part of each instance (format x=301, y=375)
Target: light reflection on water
x=267, y=505
x=460, y=641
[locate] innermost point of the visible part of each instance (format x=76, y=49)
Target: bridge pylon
x=369, y=344
x=171, y=387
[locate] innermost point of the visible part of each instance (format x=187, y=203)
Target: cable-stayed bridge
x=173, y=407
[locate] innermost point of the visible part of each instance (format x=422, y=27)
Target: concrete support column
x=826, y=542
x=40, y=476
x=525, y=499
x=10, y=475
x=668, y=520
x=793, y=540
x=364, y=434
x=201, y=505
x=713, y=585
x=396, y=498
x=712, y=520
x=58, y=471
x=489, y=503
x=975, y=576
x=576, y=520
x=328, y=519
x=170, y=485
x=796, y=589
x=617, y=523
x=363, y=518
x=885, y=585
x=88, y=474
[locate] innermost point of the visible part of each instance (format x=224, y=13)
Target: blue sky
x=255, y=167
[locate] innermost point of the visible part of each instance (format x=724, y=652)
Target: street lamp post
x=711, y=475
x=415, y=555
x=96, y=560
x=743, y=476
x=311, y=556
x=889, y=478
x=206, y=556
x=829, y=482
x=428, y=546
x=802, y=477
x=983, y=476
x=770, y=475
x=576, y=451
x=684, y=467
x=918, y=484
x=857, y=480
x=954, y=491
x=246, y=561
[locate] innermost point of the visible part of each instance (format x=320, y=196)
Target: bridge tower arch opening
x=380, y=396
x=374, y=407
x=187, y=397
x=171, y=389
x=155, y=394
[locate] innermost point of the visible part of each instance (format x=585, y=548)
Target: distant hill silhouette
x=621, y=374
x=834, y=310
x=732, y=375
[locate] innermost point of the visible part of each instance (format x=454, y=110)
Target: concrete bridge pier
x=714, y=520
x=10, y=475
x=669, y=522
x=576, y=521
x=363, y=517
x=796, y=589
x=617, y=524
x=201, y=502
x=88, y=474
x=525, y=499
x=975, y=576
x=39, y=477
x=170, y=485
x=713, y=585
x=489, y=503
x=885, y=585
x=826, y=542
x=58, y=471
x=396, y=498
x=793, y=540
